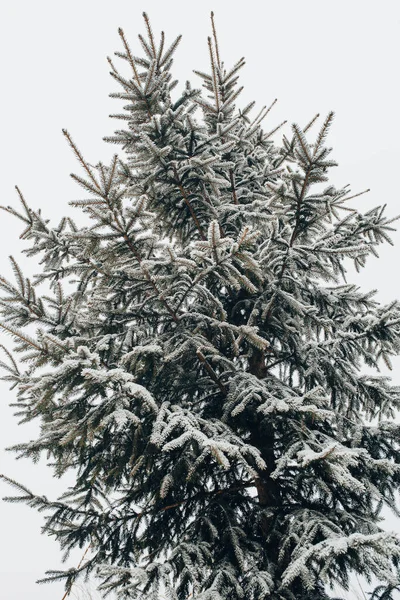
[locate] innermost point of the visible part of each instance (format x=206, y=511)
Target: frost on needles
x=202, y=372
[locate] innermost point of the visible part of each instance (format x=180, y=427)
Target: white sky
x=312, y=55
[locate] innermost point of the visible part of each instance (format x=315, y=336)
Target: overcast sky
x=313, y=55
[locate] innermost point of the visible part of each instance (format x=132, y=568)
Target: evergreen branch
x=87, y=186
x=323, y=133
x=262, y=114
x=228, y=76
x=277, y=128
x=110, y=62
x=311, y=123
x=207, y=107
x=23, y=201
x=111, y=174
x=130, y=57
x=55, y=341
x=81, y=159
x=11, y=358
x=146, y=48
x=303, y=143
x=150, y=34
x=346, y=199
x=12, y=211
x=230, y=99
x=160, y=50
x=215, y=39
x=214, y=75
x=170, y=51
x=18, y=275
x=24, y=338
x=149, y=81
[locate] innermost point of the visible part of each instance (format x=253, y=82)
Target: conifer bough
x=202, y=371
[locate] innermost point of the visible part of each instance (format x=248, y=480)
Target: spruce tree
x=199, y=360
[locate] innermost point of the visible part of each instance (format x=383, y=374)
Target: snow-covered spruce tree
x=203, y=372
